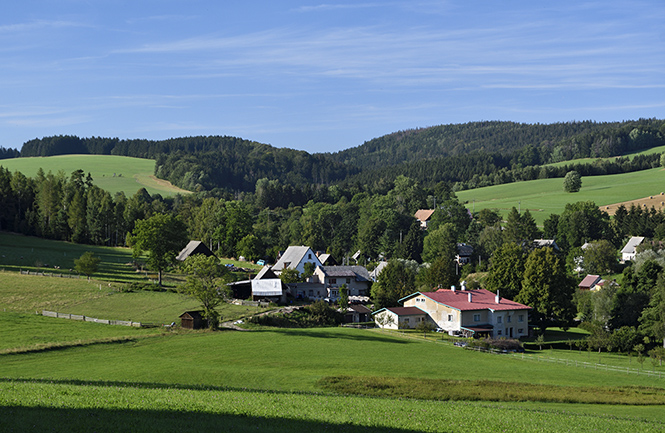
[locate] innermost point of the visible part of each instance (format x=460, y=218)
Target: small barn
x=193, y=248
x=193, y=320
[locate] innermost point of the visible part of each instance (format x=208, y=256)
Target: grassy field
x=546, y=196
x=270, y=380
x=631, y=155
x=109, y=172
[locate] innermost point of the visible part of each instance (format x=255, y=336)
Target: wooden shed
x=193, y=320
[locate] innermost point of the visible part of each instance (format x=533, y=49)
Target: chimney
x=470, y=297
x=497, y=298
x=452, y=289
x=463, y=283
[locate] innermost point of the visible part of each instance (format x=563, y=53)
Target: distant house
x=589, y=282
x=464, y=253
x=265, y=286
x=424, y=216
x=630, y=250
x=357, y=313
x=356, y=278
x=327, y=259
x=193, y=248
x=308, y=290
x=399, y=317
x=193, y=320
x=374, y=275
x=295, y=257
x=461, y=312
x=544, y=243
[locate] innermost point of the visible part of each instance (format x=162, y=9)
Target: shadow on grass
x=19, y=418
x=320, y=333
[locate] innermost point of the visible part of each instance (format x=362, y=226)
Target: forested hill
x=564, y=140
x=471, y=155
x=209, y=162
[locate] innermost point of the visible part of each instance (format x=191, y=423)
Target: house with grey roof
x=630, y=250
x=356, y=278
x=295, y=257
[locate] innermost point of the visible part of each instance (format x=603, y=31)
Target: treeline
x=529, y=144
x=467, y=155
x=205, y=163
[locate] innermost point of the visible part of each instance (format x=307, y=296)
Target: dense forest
x=465, y=155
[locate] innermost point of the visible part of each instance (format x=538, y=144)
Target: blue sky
x=321, y=77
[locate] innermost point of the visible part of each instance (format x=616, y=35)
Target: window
x=450, y=317
x=311, y=293
x=406, y=320
x=333, y=281
x=508, y=318
x=348, y=281
x=498, y=319
x=520, y=318
x=498, y=332
x=309, y=256
x=476, y=317
x=520, y=331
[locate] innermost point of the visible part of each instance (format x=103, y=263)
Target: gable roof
x=194, y=247
x=464, y=250
x=375, y=273
x=632, y=244
x=267, y=287
x=359, y=308
x=403, y=311
x=541, y=243
x=265, y=273
x=293, y=256
x=589, y=281
x=481, y=299
x=424, y=214
x=360, y=273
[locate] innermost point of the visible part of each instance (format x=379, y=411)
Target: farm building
x=193, y=320
x=295, y=257
x=193, y=248
x=630, y=250
x=399, y=317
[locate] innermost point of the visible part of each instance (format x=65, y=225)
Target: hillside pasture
x=271, y=380
x=630, y=155
x=110, y=172
x=546, y=196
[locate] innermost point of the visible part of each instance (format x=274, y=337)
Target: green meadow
x=546, y=196
x=110, y=172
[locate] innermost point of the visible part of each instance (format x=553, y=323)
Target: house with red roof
x=465, y=312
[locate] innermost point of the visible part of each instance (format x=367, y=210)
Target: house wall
x=356, y=288
x=309, y=257
x=392, y=325
x=437, y=313
x=504, y=321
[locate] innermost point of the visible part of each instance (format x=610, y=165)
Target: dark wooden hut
x=193, y=320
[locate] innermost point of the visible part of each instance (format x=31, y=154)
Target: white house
x=630, y=250
x=295, y=258
x=399, y=317
x=469, y=313
x=424, y=216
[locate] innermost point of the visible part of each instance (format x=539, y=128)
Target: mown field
x=546, y=196
x=274, y=380
x=109, y=172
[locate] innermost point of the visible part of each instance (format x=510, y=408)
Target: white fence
x=95, y=320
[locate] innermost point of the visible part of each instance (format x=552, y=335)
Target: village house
x=295, y=257
x=461, y=312
x=424, y=216
x=630, y=250
x=590, y=282
x=356, y=278
x=265, y=286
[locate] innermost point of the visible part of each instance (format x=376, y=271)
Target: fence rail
x=541, y=358
x=95, y=320
x=49, y=274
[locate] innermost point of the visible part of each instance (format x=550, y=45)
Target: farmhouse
x=464, y=312
x=356, y=278
x=264, y=286
x=295, y=258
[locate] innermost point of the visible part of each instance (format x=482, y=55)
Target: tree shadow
x=20, y=418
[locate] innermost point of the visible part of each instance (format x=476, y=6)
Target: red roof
x=406, y=311
x=481, y=299
x=589, y=281
x=424, y=214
